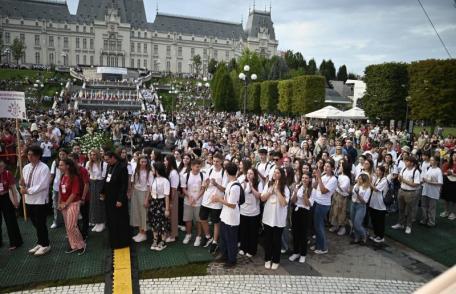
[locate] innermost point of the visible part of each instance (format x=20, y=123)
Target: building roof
x=332, y=97
x=36, y=9
x=258, y=19
x=197, y=26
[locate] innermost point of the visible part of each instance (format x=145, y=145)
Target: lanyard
x=29, y=181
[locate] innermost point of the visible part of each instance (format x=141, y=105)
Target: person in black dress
x=114, y=193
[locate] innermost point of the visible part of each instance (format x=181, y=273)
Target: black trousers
x=272, y=243
x=180, y=211
x=378, y=221
x=37, y=213
x=249, y=234
x=84, y=226
x=229, y=240
x=301, y=221
x=9, y=214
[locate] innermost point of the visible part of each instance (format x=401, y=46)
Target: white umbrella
x=354, y=113
x=324, y=113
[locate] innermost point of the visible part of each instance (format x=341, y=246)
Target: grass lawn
x=15, y=74
x=446, y=130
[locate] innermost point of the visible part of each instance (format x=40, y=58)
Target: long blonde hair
x=97, y=160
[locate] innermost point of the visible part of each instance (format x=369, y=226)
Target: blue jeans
x=229, y=241
x=320, y=213
x=357, y=213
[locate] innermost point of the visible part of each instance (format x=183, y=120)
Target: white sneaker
x=397, y=227
x=35, y=249
x=274, y=266
x=444, y=214
x=53, y=226
x=95, y=228
x=140, y=238
x=187, y=238
x=408, y=230
x=160, y=246
x=302, y=259
x=42, y=250
x=321, y=251
x=101, y=228
x=293, y=257
x=267, y=264
x=283, y=251
x=170, y=240
x=452, y=216
x=197, y=242
x=333, y=229
x=182, y=228
x=379, y=240
x=341, y=231
x=154, y=245
x=241, y=252
x=249, y=255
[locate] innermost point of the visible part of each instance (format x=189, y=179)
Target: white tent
x=325, y=112
x=354, y=113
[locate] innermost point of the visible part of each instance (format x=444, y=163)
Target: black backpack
x=241, y=194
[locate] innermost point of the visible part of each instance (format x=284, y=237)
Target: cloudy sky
x=352, y=32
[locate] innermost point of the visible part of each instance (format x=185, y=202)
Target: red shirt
x=69, y=186
x=85, y=181
x=6, y=181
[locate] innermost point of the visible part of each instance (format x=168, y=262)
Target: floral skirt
x=156, y=216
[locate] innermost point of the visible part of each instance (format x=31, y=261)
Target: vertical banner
x=12, y=105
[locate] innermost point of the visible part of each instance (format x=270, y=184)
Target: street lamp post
x=244, y=76
x=407, y=100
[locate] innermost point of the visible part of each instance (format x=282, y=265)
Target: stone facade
x=117, y=33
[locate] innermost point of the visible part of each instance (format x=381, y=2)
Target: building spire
x=253, y=5
x=157, y=7
x=270, y=7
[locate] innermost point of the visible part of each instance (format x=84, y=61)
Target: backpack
x=188, y=176
x=241, y=194
x=390, y=197
x=223, y=172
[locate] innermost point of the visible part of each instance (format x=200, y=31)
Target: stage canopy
x=324, y=113
x=354, y=113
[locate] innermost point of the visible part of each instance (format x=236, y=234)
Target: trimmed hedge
x=308, y=94
x=285, y=91
x=269, y=96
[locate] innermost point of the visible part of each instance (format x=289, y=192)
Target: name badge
x=64, y=189
x=1, y=187
x=108, y=178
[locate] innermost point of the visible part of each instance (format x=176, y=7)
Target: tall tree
x=252, y=59
x=232, y=65
x=279, y=68
x=312, y=67
x=433, y=90
x=17, y=49
x=386, y=89
x=290, y=59
x=196, y=60
x=342, y=73
x=212, y=66
x=226, y=92
x=300, y=61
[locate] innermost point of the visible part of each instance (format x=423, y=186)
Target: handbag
x=388, y=199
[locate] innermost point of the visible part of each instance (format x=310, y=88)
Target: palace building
x=116, y=33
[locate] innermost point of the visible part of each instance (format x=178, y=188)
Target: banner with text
x=12, y=105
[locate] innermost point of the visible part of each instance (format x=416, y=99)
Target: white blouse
x=274, y=214
x=160, y=188
x=251, y=206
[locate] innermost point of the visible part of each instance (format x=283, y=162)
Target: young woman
x=360, y=196
x=244, y=166
x=432, y=183
x=183, y=168
x=338, y=214
x=250, y=212
x=141, y=183
x=325, y=186
x=301, y=217
x=97, y=171
x=449, y=187
x=174, y=178
x=276, y=195
x=297, y=166
x=377, y=207
x=69, y=197
x=158, y=204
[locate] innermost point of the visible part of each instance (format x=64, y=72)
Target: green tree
x=226, y=92
x=196, y=60
x=253, y=60
x=342, y=73
x=285, y=91
x=433, y=90
x=216, y=86
x=279, y=68
x=17, y=49
x=308, y=93
x=312, y=67
x=327, y=70
x=300, y=61
x=232, y=65
x=237, y=85
x=269, y=96
x=290, y=59
x=386, y=89
x=253, y=97
x=212, y=66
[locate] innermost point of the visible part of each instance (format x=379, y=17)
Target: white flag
x=12, y=105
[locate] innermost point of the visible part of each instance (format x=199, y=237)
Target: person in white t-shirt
x=97, y=169
x=360, y=196
x=276, y=196
x=325, y=186
x=410, y=180
x=229, y=217
x=47, y=150
x=55, y=182
x=215, y=183
x=192, y=184
x=377, y=207
x=250, y=213
x=158, y=204
x=432, y=183
x=301, y=217
x=338, y=213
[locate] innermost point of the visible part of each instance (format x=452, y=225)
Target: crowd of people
x=225, y=180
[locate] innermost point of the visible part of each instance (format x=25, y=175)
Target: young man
x=193, y=189
x=230, y=217
x=214, y=183
x=34, y=185
x=264, y=165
